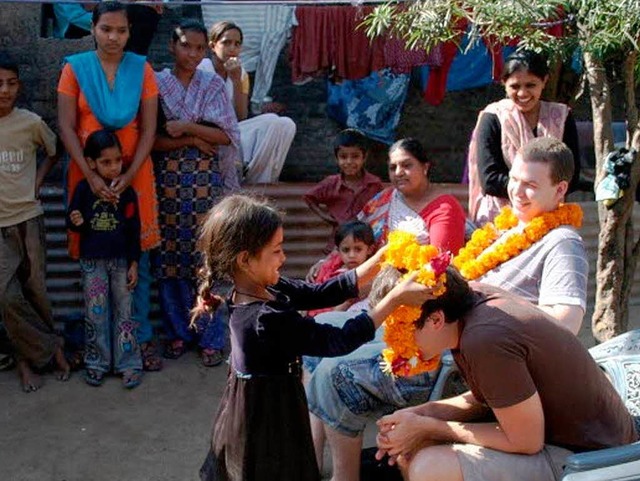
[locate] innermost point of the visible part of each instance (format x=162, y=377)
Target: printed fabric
x=388, y=207
x=204, y=100
x=371, y=105
x=328, y=40
x=189, y=181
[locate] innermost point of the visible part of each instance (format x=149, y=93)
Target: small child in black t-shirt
x=109, y=255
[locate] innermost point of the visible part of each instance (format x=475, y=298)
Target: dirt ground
x=75, y=432
x=156, y=432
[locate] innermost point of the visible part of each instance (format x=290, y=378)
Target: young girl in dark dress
x=261, y=431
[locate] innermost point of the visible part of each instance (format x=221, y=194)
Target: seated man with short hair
x=345, y=393
x=547, y=394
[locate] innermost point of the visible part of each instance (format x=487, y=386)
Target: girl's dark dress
x=261, y=431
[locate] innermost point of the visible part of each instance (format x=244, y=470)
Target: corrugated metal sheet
x=305, y=236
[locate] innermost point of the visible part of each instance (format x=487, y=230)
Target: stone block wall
x=444, y=129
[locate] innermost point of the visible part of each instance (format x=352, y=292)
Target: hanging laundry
x=328, y=40
x=265, y=29
x=401, y=60
x=372, y=104
x=277, y=28
x=437, y=82
x=475, y=68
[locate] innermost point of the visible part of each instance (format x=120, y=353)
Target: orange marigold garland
x=480, y=255
x=402, y=356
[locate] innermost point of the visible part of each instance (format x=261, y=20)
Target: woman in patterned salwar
x=198, y=133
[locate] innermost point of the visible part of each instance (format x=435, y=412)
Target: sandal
x=211, y=357
x=7, y=362
x=174, y=349
x=93, y=377
x=131, y=378
x=151, y=361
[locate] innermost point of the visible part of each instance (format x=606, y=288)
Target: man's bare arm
x=569, y=317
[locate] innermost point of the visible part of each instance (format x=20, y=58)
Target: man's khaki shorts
x=483, y=464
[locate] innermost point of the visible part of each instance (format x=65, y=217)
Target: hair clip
x=180, y=34
x=210, y=301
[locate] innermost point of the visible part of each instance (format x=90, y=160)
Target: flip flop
x=174, y=349
x=94, y=377
x=151, y=361
x=211, y=357
x=131, y=378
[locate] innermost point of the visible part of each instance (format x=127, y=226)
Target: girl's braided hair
x=237, y=223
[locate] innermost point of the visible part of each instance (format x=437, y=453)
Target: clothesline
x=220, y=2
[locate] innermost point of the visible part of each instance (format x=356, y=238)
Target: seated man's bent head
x=436, y=328
x=539, y=177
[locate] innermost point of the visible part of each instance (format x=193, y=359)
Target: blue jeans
x=177, y=297
x=110, y=332
x=347, y=392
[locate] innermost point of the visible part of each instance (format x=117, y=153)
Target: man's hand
x=402, y=434
x=76, y=218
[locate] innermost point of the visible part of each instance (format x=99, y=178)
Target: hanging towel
x=401, y=60
x=328, y=40
x=265, y=29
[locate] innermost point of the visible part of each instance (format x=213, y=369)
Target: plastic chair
x=620, y=359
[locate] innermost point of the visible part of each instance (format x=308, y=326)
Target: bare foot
x=63, y=370
x=29, y=381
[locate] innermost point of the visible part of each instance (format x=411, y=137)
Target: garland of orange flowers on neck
x=402, y=357
x=482, y=253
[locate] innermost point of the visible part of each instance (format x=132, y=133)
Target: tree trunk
x=615, y=242
x=633, y=142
